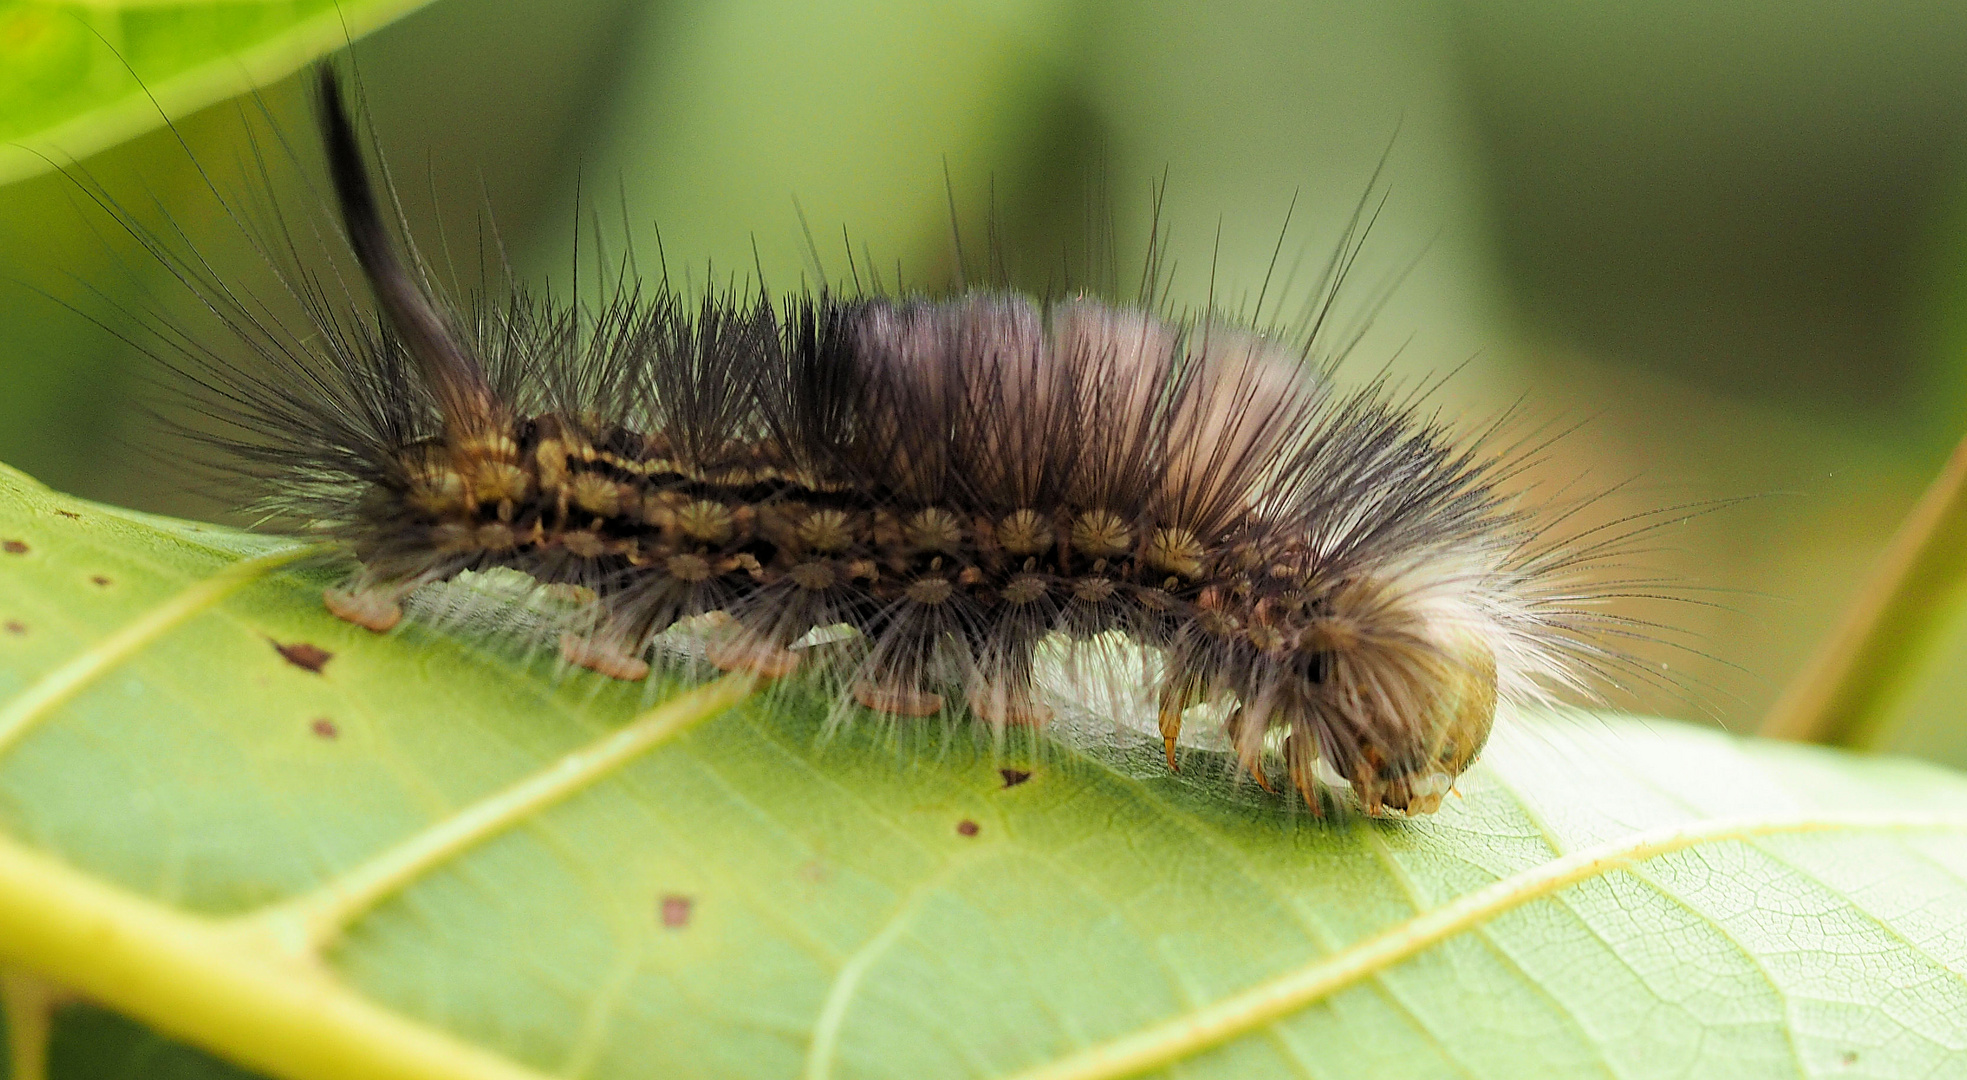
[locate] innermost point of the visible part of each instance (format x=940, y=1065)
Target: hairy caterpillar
x=957, y=479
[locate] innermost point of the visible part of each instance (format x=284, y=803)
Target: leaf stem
x=29, y=1004
x=309, y=923
x=198, y=980
x=1838, y=699
x=57, y=686
x=144, y=107
x=1165, y=1043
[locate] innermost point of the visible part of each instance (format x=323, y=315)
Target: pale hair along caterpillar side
x=969, y=482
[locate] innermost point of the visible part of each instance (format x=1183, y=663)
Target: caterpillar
x=958, y=478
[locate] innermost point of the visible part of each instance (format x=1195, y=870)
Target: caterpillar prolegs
x=957, y=478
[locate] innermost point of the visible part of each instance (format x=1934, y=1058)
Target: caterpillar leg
x=603, y=653
x=1301, y=757
x=1001, y=682
x=1177, y=694
x=1171, y=730
x=738, y=649
x=373, y=607
x=1003, y=705
x=897, y=700
x=1249, y=743
x=577, y=595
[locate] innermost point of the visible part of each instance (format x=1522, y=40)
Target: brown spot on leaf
x=676, y=911
x=1014, y=777
x=324, y=727
x=99, y=581
x=966, y=827
x=302, y=655
x=69, y=514
x=15, y=626
x=14, y=547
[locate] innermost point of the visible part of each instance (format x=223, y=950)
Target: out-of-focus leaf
x=79, y=77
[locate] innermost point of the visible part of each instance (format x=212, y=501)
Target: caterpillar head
x=1397, y=695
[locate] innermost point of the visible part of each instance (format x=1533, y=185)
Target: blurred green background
x=1730, y=239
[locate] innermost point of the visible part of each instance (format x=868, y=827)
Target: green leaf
x=78, y=77
x=187, y=812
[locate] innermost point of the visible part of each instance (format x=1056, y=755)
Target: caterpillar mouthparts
x=957, y=479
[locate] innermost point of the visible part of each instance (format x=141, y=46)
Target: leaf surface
x=79, y=77
x=750, y=899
